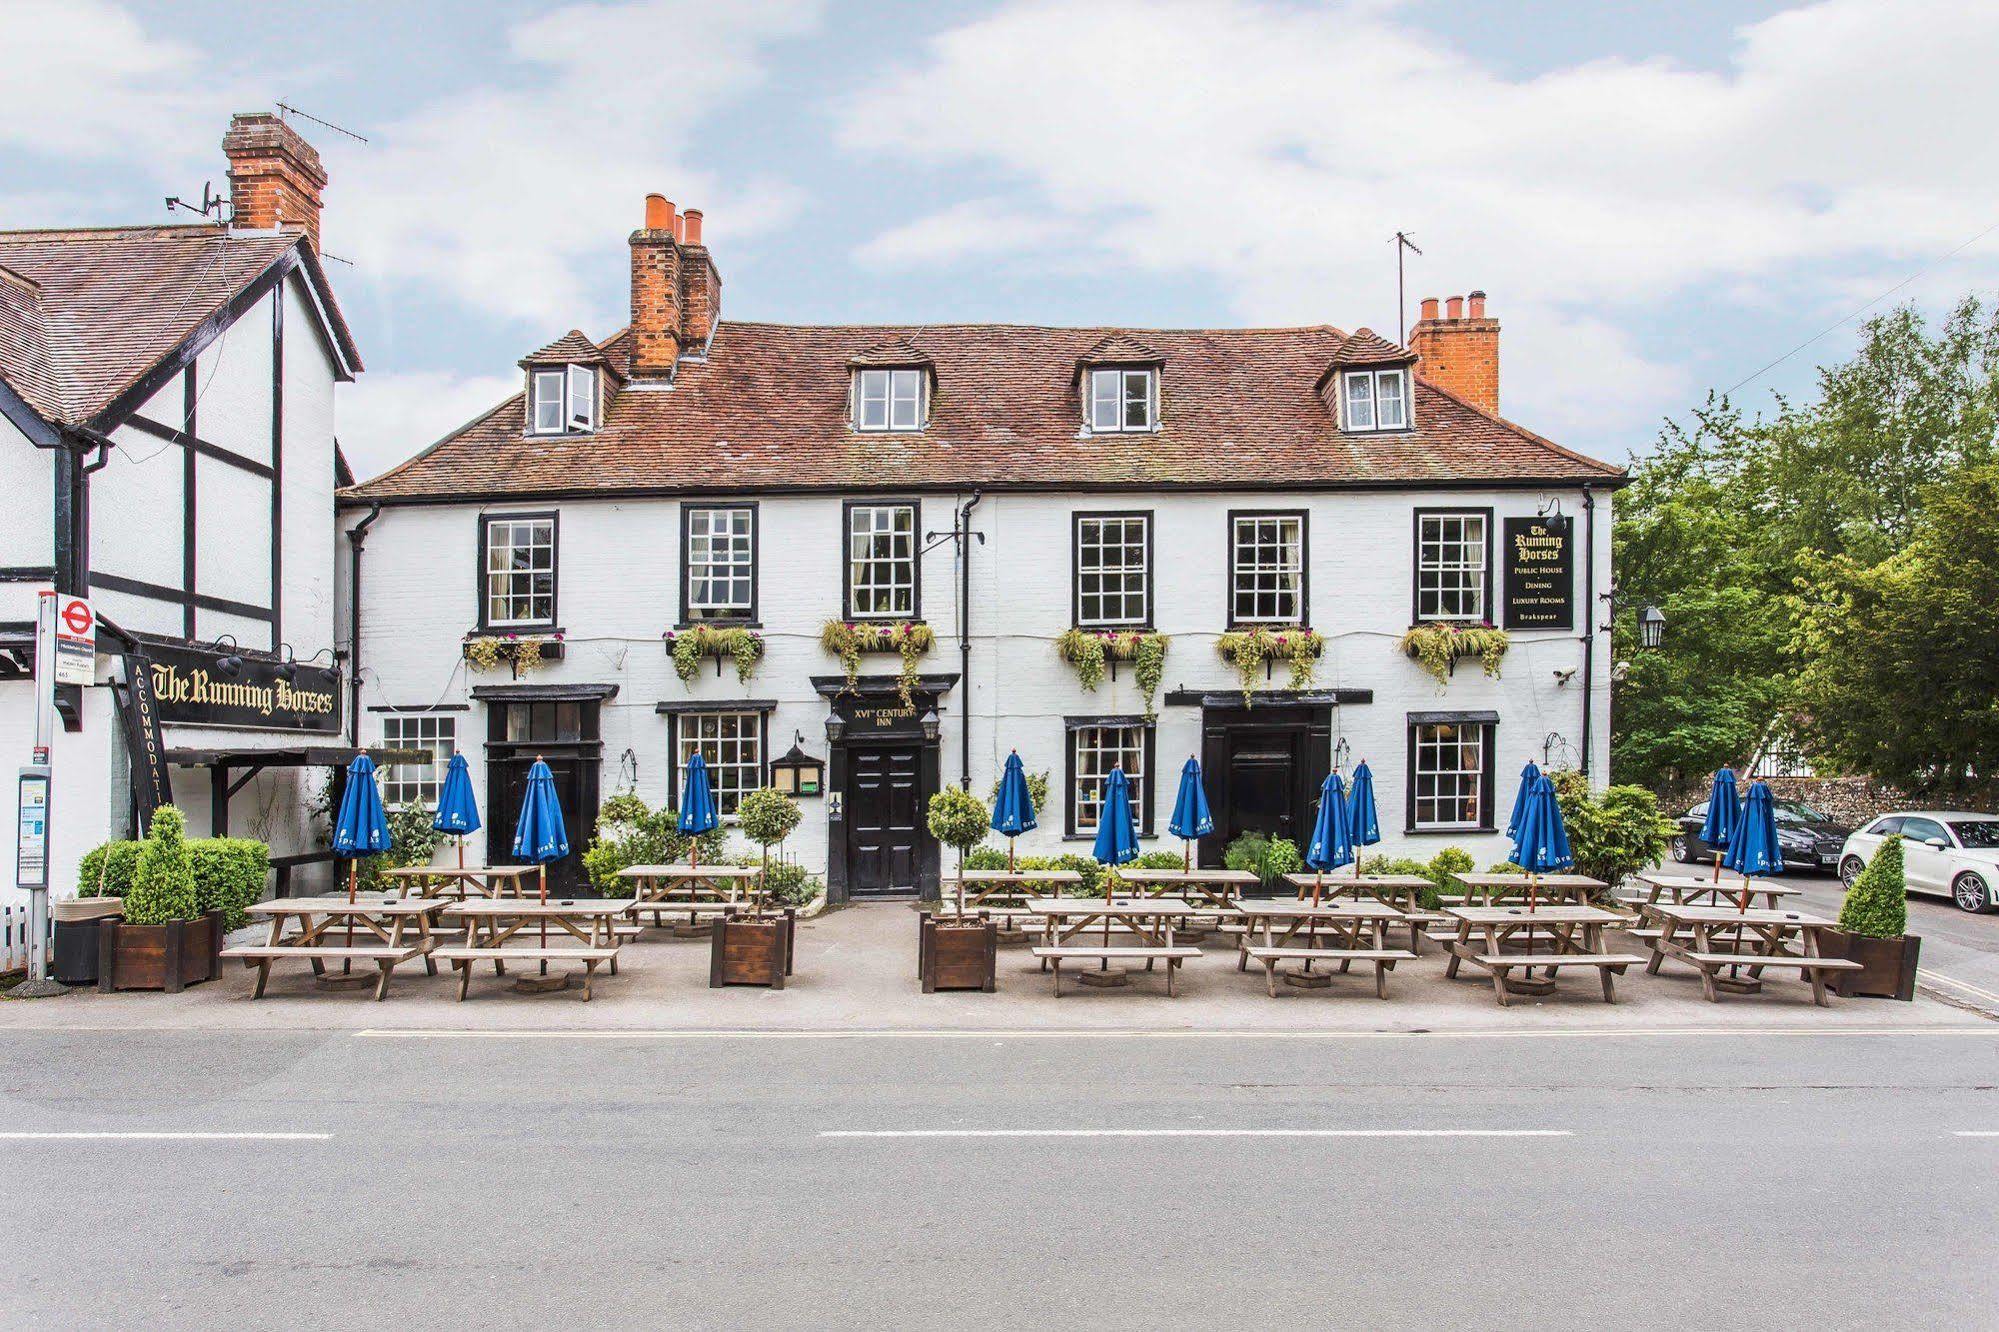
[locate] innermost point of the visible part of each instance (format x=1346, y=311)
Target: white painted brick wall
x=618, y=592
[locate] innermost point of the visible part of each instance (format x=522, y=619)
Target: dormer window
x=1376, y=400
x=562, y=400
x=1123, y=399
x=890, y=399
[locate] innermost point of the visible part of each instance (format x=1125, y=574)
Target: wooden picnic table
x=1701, y=889
x=493, y=924
x=1404, y=892
x=1499, y=889
x=699, y=890
x=1555, y=936
x=1717, y=939
x=1214, y=887
x=463, y=881
x=384, y=930
x=1150, y=920
x=1002, y=892
x=1342, y=932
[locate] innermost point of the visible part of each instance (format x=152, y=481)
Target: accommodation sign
x=191, y=688
x=1539, y=585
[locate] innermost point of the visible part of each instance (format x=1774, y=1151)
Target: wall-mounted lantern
x=798, y=773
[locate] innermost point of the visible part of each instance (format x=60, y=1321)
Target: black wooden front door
x=885, y=832
x=1264, y=766
x=575, y=788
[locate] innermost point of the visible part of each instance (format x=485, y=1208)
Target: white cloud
x=386, y=417
x=1277, y=148
x=972, y=229
x=511, y=198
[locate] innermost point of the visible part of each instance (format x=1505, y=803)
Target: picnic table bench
x=493, y=929
x=1404, y=892
x=1554, y=937
x=1729, y=939
x=1150, y=920
x=391, y=930
x=1512, y=889
x=703, y=892
x=1342, y=932
x=463, y=880
x=1696, y=890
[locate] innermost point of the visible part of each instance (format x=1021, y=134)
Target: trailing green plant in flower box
x=690, y=646
x=1088, y=649
x=850, y=641
x=1437, y=647
x=525, y=653
x=1249, y=649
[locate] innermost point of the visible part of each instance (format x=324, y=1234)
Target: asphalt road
x=1784, y=1177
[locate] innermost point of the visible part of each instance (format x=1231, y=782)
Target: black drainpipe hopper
x=357, y=536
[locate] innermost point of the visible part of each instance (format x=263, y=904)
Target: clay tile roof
x=895, y=351
x=107, y=304
x=1120, y=349
x=1366, y=347
x=572, y=348
x=767, y=409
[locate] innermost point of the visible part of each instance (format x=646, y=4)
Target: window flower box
x=1437, y=648
x=688, y=647
x=1088, y=650
x=523, y=653
x=1260, y=645
x=850, y=641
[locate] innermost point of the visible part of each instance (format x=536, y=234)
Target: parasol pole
x=1533, y=891
x=1717, y=866
x=961, y=868
x=461, y=850
x=542, y=871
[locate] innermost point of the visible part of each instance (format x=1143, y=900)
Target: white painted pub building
x=524, y=579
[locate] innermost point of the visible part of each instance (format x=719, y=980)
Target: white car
x=1948, y=853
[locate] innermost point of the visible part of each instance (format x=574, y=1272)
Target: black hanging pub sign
x=1539, y=564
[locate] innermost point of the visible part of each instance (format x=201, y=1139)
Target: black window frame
x=1488, y=777
x=847, y=507
x=486, y=521
x=1147, y=783
x=1304, y=517
x=1076, y=521
x=1417, y=516
x=749, y=621
x=731, y=707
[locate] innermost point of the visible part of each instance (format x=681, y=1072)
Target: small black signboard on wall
x=192, y=687
x=1540, y=583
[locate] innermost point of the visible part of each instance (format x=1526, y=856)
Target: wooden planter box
x=159, y=957
x=957, y=955
x=751, y=950
x=1888, y=966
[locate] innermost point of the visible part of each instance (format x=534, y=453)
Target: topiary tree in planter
x=959, y=819
x=1874, y=930
x=163, y=882
x=766, y=816
x=1877, y=906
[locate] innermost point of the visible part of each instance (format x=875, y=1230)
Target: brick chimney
x=275, y=178
x=676, y=292
x=1459, y=352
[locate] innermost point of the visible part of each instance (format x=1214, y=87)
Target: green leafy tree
x=959, y=819
x=1878, y=903
x=1728, y=514
x=1899, y=661
x=163, y=884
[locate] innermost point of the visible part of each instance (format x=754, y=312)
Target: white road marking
x=1976, y=1133
x=151, y=1136
x=1989, y=1031
x=1197, y=1133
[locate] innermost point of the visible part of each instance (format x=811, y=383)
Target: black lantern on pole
x=798, y=774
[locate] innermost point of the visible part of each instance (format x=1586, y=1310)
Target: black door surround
x=1263, y=766
x=869, y=714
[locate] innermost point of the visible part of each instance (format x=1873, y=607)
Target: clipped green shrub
x=985, y=858
x=1160, y=860
x=767, y=815
x=788, y=884
x=651, y=837
x=1877, y=906
x=163, y=885
x=108, y=870
x=229, y=875
x=621, y=810
x=958, y=819
x=1613, y=833
x=1268, y=858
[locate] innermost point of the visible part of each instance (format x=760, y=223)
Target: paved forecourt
x=856, y=970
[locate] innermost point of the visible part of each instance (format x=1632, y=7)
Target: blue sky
x=1659, y=198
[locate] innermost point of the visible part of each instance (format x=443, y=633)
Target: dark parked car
x=1810, y=840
